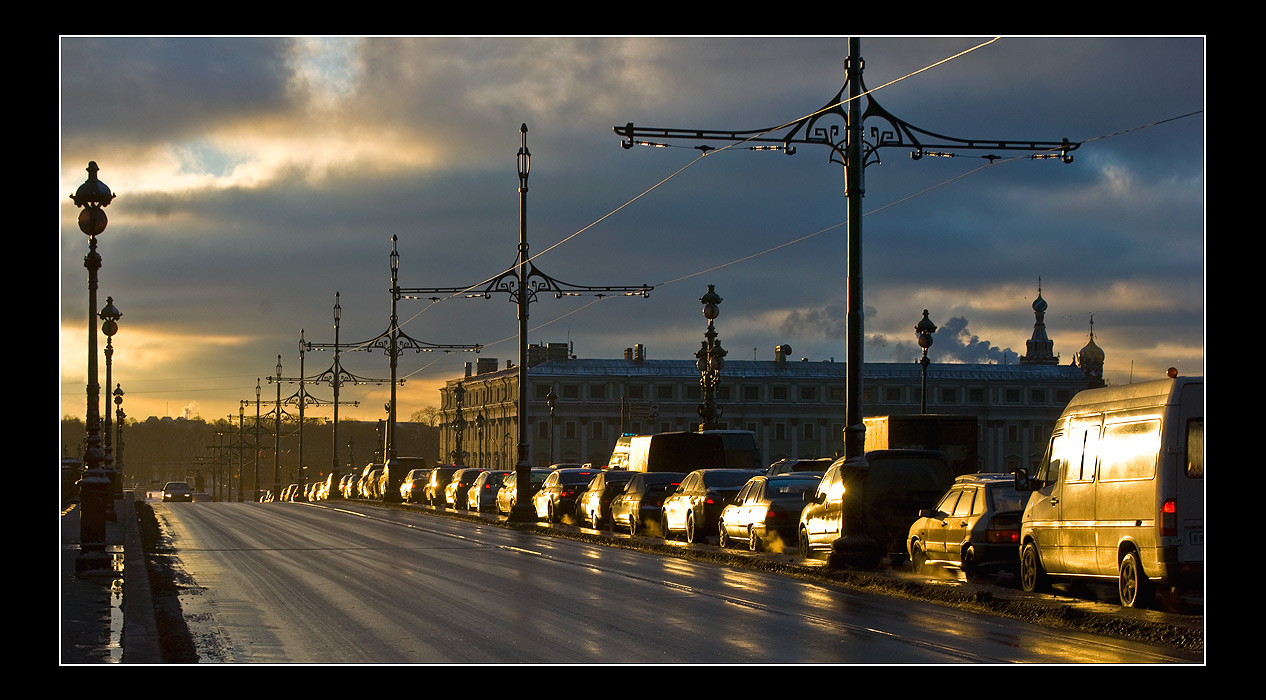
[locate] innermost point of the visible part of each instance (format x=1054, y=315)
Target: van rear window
x=1195, y=448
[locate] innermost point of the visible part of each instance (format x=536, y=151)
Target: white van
x=1120, y=493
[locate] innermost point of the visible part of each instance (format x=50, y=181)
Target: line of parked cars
x=1119, y=495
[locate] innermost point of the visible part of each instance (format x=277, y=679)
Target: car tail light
x=1003, y=530
x=1169, y=518
x=775, y=513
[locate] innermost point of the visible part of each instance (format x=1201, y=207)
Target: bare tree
x=428, y=415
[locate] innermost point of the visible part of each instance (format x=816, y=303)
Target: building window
x=808, y=431
x=664, y=392
x=597, y=430
x=780, y=431
x=808, y=393
x=949, y=396
x=751, y=393
x=892, y=394
x=976, y=395
x=1013, y=433
x=542, y=430
x=636, y=391
x=571, y=391
x=1063, y=396
x=723, y=393
x=779, y=393
x=1011, y=396
x=837, y=393
x=751, y=427
x=692, y=392
x=570, y=430
x=1037, y=396
x=665, y=427
x=597, y=391
x=542, y=390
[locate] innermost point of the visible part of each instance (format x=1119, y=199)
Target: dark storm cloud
x=152, y=89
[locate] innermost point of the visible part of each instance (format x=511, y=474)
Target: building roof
x=768, y=369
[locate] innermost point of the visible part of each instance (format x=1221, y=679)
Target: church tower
x=1090, y=360
x=1040, y=348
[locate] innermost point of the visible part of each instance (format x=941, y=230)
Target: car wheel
x=550, y=514
x=803, y=541
x=663, y=526
x=593, y=520
x=753, y=542
x=692, y=536
x=1032, y=577
x=1136, y=591
x=918, y=558
x=633, y=524
x=723, y=537
x=971, y=570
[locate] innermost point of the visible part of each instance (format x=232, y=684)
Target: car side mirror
x=928, y=513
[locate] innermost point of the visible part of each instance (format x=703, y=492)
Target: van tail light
x=1169, y=518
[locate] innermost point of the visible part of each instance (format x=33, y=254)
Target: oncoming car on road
x=177, y=491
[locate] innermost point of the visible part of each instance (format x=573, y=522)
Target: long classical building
x=796, y=409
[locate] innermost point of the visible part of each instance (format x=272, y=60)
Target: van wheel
x=1132, y=584
x=1032, y=577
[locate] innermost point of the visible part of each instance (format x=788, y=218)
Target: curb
x=140, y=627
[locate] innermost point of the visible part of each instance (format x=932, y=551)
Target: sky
x=258, y=177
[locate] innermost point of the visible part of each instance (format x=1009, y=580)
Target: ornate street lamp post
x=110, y=316
x=94, y=488
x=459, y=425
x=524, y=282
x=710, y=360
x=924, y=331
x=118, y=427
x=551, y=400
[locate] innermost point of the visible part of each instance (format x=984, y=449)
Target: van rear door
x=1189, y=507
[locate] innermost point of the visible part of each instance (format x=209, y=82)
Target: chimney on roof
x=780, y=355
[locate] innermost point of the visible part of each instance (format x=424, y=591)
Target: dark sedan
x=557, y=497
x=483, y=493
x=455, y=491
x=694, y=508
x=765, y=513
x=638, y=504
x=594, y=505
